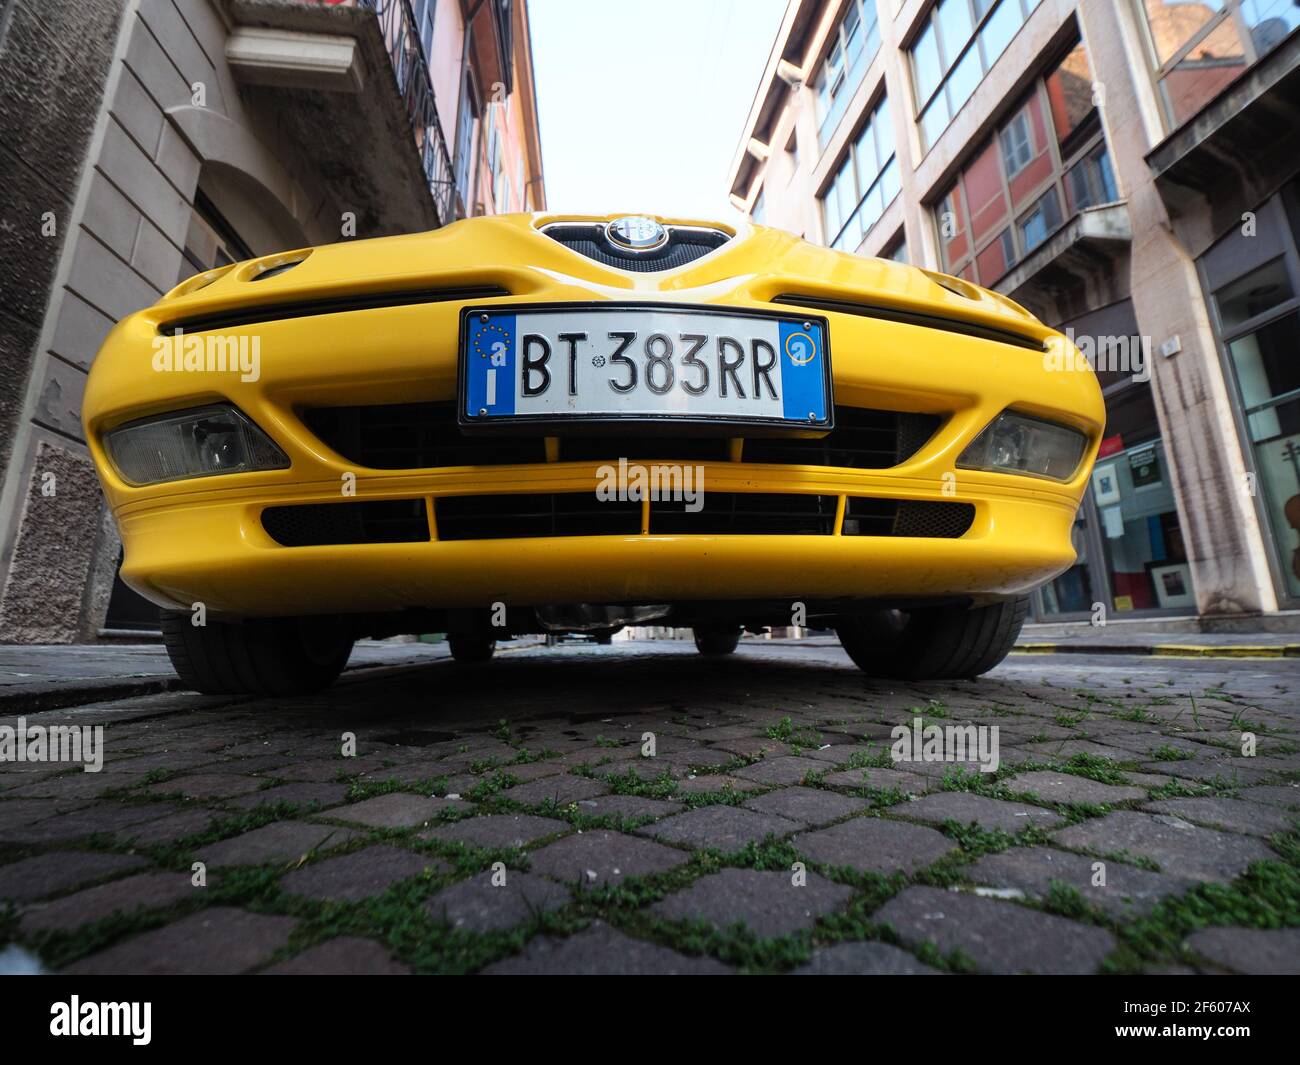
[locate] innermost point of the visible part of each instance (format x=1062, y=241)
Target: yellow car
x=535, y=423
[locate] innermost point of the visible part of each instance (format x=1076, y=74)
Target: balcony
x=1082, y=251
x=348, y=84
x=1240, y=146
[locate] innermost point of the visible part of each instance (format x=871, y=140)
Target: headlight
x=199, y=442
x=1016, y=443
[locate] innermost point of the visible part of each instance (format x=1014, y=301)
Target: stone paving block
x=714, y=782
x=602, y=951
x=768, y=904
x=361, y=874
x=343, y=956
x=216, y=940
x=561, y=790
x=1233, y=771
x=863, y=959
x=603, y=857
x=1064, y=750
x=874, y=845
x=47, y=874
x=108, y=818
x=1068, y=788
x=207, y=786
x=632, y=806
x=1231, y=815
x=807, y=806
x=498, y=831
x=145, y=891
x=723, y=828
x=280, y=841
x=396, y=809
x=878, y=779
x=479, y=905
x=171, y=828
x=999, y=937
x=965, y=807
x=1274, y=952
x=1286, y=796
x=1180, y=848
x=787, y=769
x=301, y=793
x=1128, y=891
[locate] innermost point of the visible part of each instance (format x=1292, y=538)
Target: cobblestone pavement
x=503, y=818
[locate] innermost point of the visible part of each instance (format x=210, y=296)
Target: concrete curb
x=1163, y=650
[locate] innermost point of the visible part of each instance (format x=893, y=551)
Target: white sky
x=641, y=102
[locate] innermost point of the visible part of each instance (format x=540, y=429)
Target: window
x=959, y=44
x=864, y=185
x=1198, y=49
x=759, y=212
x=424, y=12
x=1016, y=191
x=896, y=251
x=466, y=137
x=1017, y=146
x=1040, y=222
x=855, y=42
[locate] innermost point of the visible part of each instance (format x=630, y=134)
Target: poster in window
x=1144, y=466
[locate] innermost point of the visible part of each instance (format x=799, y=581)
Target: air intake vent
x=389, y=521
x=685, y=244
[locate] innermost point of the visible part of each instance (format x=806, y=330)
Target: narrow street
x=506, y=817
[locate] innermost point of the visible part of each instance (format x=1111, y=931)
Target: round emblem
x=636, y=233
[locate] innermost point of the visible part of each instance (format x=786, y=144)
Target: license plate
x=574, y=363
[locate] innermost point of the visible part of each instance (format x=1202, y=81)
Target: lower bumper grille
x=408, y=436
x=389, y=521
x=546, y=514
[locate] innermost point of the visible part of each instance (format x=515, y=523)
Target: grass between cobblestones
x=1266, y=896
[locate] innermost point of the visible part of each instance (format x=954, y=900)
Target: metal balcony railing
x=410, y=65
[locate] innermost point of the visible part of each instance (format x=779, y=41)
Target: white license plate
x=607, y=362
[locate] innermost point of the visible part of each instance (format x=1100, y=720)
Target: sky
x=642, y=102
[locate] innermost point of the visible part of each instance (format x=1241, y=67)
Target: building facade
x=1129, y=171
x=149, y=140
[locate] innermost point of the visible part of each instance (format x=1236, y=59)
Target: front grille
x=388, y=521
x=906, y=517
x=862, y=439
x=497, y=517
x=412, y=436
x=745, y=514
x=683, y=246
x=408, y=436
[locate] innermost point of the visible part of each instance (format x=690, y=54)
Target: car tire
x=940, y=643
x=257, y=656
x=717, y=641
x=470, y=648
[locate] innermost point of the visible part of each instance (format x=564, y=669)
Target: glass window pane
x=965, y=79
x=955, y=27
x=1257, y=292
x=925, y=62
x=1175, y=22
x=935, y=120
x=1270, y=22
x=1205, y=71
x=889, y=182
x=999, y=30
x=868, y=164
x=883, y=122
x=1069, y=89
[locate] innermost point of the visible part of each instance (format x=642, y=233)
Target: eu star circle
x=800, y=348
x=488, y=337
